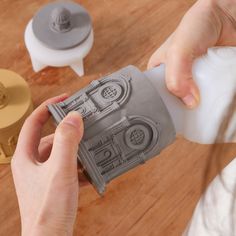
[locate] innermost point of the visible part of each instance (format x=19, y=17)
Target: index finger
x=30, y=134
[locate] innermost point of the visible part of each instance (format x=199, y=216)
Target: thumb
x=179, y=79
x=66, y=142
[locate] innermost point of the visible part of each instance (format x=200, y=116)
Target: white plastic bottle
x=215, y=75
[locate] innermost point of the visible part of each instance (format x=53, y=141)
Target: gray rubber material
x=62, y=25
x=126, y=124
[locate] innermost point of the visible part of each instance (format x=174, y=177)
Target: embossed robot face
x=110, y=92
x=138, y=137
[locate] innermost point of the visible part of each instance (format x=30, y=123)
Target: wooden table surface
x=157, y=198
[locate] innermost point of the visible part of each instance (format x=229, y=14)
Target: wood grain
x=157, y=198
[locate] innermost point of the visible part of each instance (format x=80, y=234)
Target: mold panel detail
x=97, y=100
x=127, y=142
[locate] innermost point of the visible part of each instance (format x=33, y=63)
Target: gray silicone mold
x=61, y=25
x=126, y=123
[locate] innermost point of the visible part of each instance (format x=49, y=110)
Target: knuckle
x=28, y=120
x=173, y=87
x=15, y=163
x=175, y=52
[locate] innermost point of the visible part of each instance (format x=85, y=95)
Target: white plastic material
x=42, y=56
x=215, y=212
x=215, y=75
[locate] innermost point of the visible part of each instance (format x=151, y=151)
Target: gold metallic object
x=15, y=106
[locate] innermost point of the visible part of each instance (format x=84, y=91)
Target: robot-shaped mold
x=123, y=128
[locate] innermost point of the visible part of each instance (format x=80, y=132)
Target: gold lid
x=18, y=95
x=15, y=106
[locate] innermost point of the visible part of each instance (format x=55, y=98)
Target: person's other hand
x=45, y=173
x=208, y=23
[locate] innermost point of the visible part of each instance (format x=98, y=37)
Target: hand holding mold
x=45, y=173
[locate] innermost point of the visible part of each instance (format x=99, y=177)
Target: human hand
x=208, y=23
x=45, y=173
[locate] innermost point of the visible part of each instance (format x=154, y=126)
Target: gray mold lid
x=62, y=25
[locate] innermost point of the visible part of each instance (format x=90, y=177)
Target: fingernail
x=73, y=118
x=63, y=96
x=190, y=101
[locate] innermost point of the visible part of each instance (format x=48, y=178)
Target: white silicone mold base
x=42, y=56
